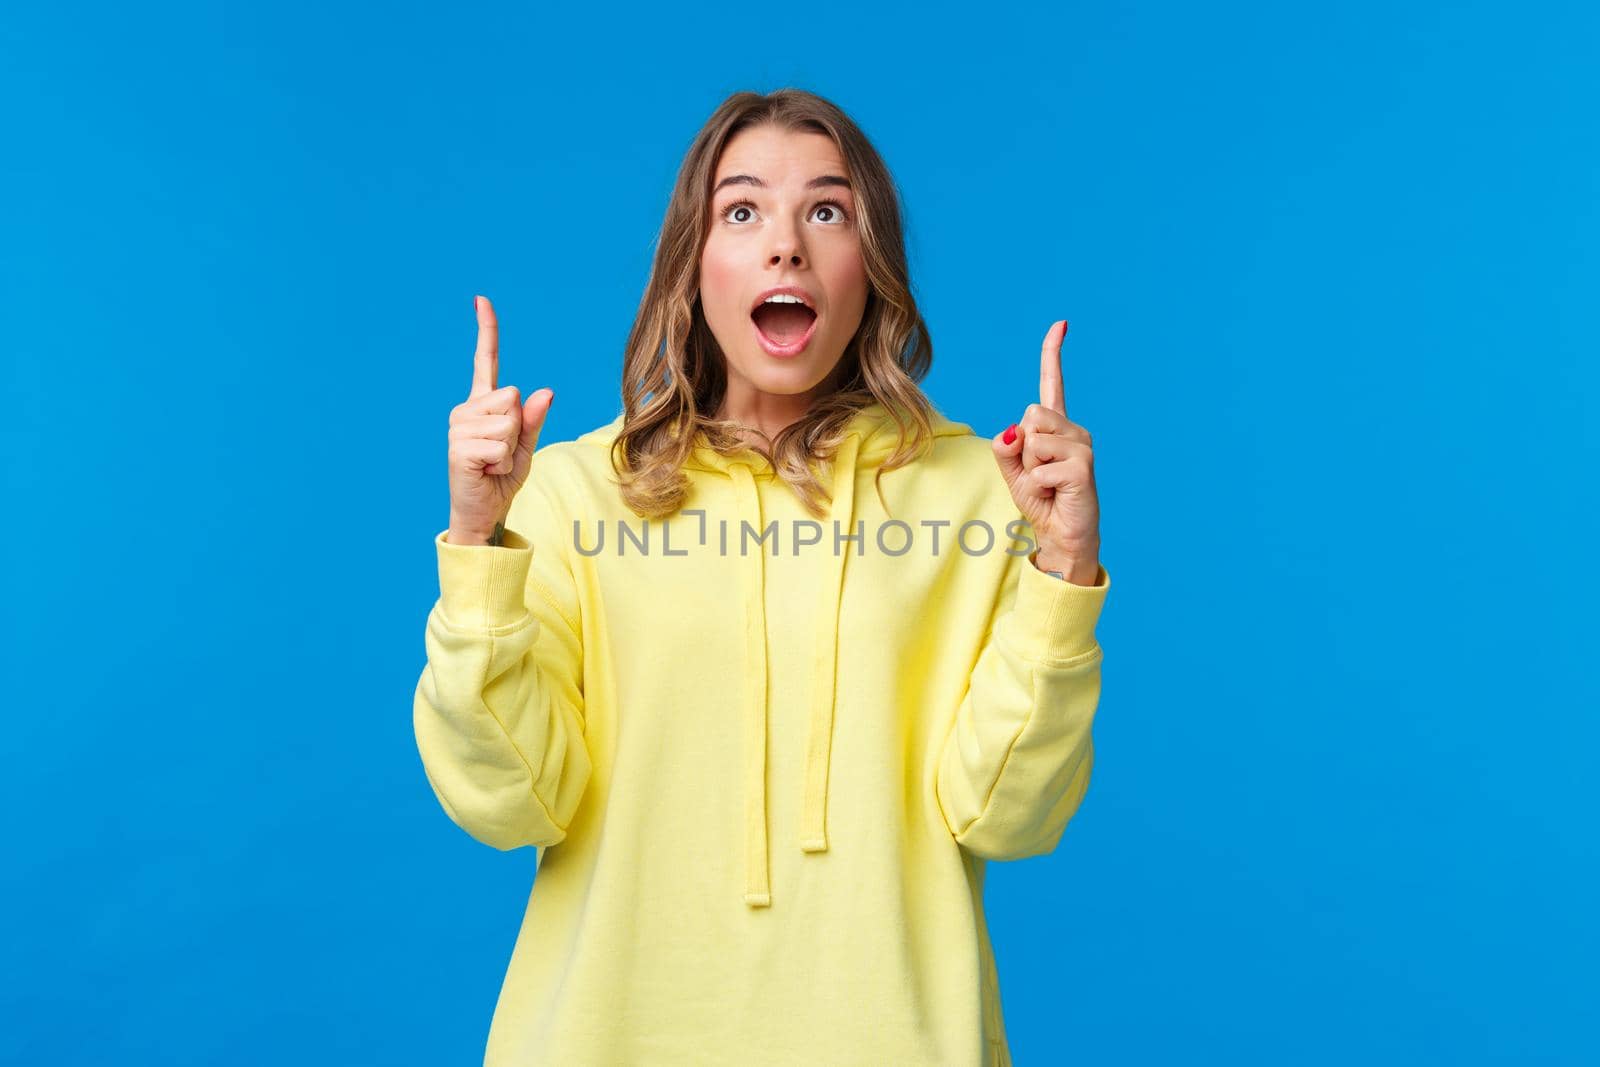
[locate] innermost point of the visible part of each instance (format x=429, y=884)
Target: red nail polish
x=1010, y=434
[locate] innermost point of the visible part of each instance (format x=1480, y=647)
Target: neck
x=763, y=419
x=765, y=415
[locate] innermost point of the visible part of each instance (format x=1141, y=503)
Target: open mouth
x=784, y=329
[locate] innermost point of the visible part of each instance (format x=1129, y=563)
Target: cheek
x=847, y=274
x=720, y=281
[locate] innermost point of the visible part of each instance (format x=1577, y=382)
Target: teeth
x=783, y=298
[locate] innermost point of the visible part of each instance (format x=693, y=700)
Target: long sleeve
x=1015, y=763
x=498, y=711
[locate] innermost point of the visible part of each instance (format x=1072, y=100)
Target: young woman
x=769, y=666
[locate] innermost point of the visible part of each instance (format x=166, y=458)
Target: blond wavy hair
x=674, y=372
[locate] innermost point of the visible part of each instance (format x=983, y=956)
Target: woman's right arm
x=498, y=711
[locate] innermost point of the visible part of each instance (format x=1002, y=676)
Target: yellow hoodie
x=763, y=784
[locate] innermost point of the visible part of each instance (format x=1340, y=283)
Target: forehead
x=777, y=155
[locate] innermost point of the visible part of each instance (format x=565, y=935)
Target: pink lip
x=772, y=348
x=790, y=290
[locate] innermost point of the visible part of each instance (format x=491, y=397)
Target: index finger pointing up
x=1052, y=393
x=486, y=360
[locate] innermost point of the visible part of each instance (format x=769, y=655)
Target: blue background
x=1331, y=277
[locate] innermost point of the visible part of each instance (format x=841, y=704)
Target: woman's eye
x=829, y=212
x=833, y=211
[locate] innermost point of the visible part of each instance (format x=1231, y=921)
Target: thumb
x=533, y=413
x=1008, y=454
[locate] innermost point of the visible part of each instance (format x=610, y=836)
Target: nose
x=786, y=246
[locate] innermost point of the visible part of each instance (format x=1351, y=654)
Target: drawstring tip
x=758, y=900
x=814, y=844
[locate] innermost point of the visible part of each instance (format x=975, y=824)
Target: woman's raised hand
x=1048, y=464
x=492, y=438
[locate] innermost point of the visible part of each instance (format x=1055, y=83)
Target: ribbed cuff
x=483, y=586
x=1054, y=619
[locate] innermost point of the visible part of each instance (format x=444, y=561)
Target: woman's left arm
x=1015, y=763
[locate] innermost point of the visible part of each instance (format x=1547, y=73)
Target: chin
x=788, y=377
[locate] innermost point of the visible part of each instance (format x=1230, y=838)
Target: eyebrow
x=814, y=183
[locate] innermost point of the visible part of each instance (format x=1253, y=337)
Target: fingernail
x=1010, y=434
x=474, y=303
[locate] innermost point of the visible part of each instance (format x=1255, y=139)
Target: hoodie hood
x=869, y=438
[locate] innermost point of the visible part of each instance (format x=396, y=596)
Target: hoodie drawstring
x=757, y=891
x=824, y=672
x=824, y=667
